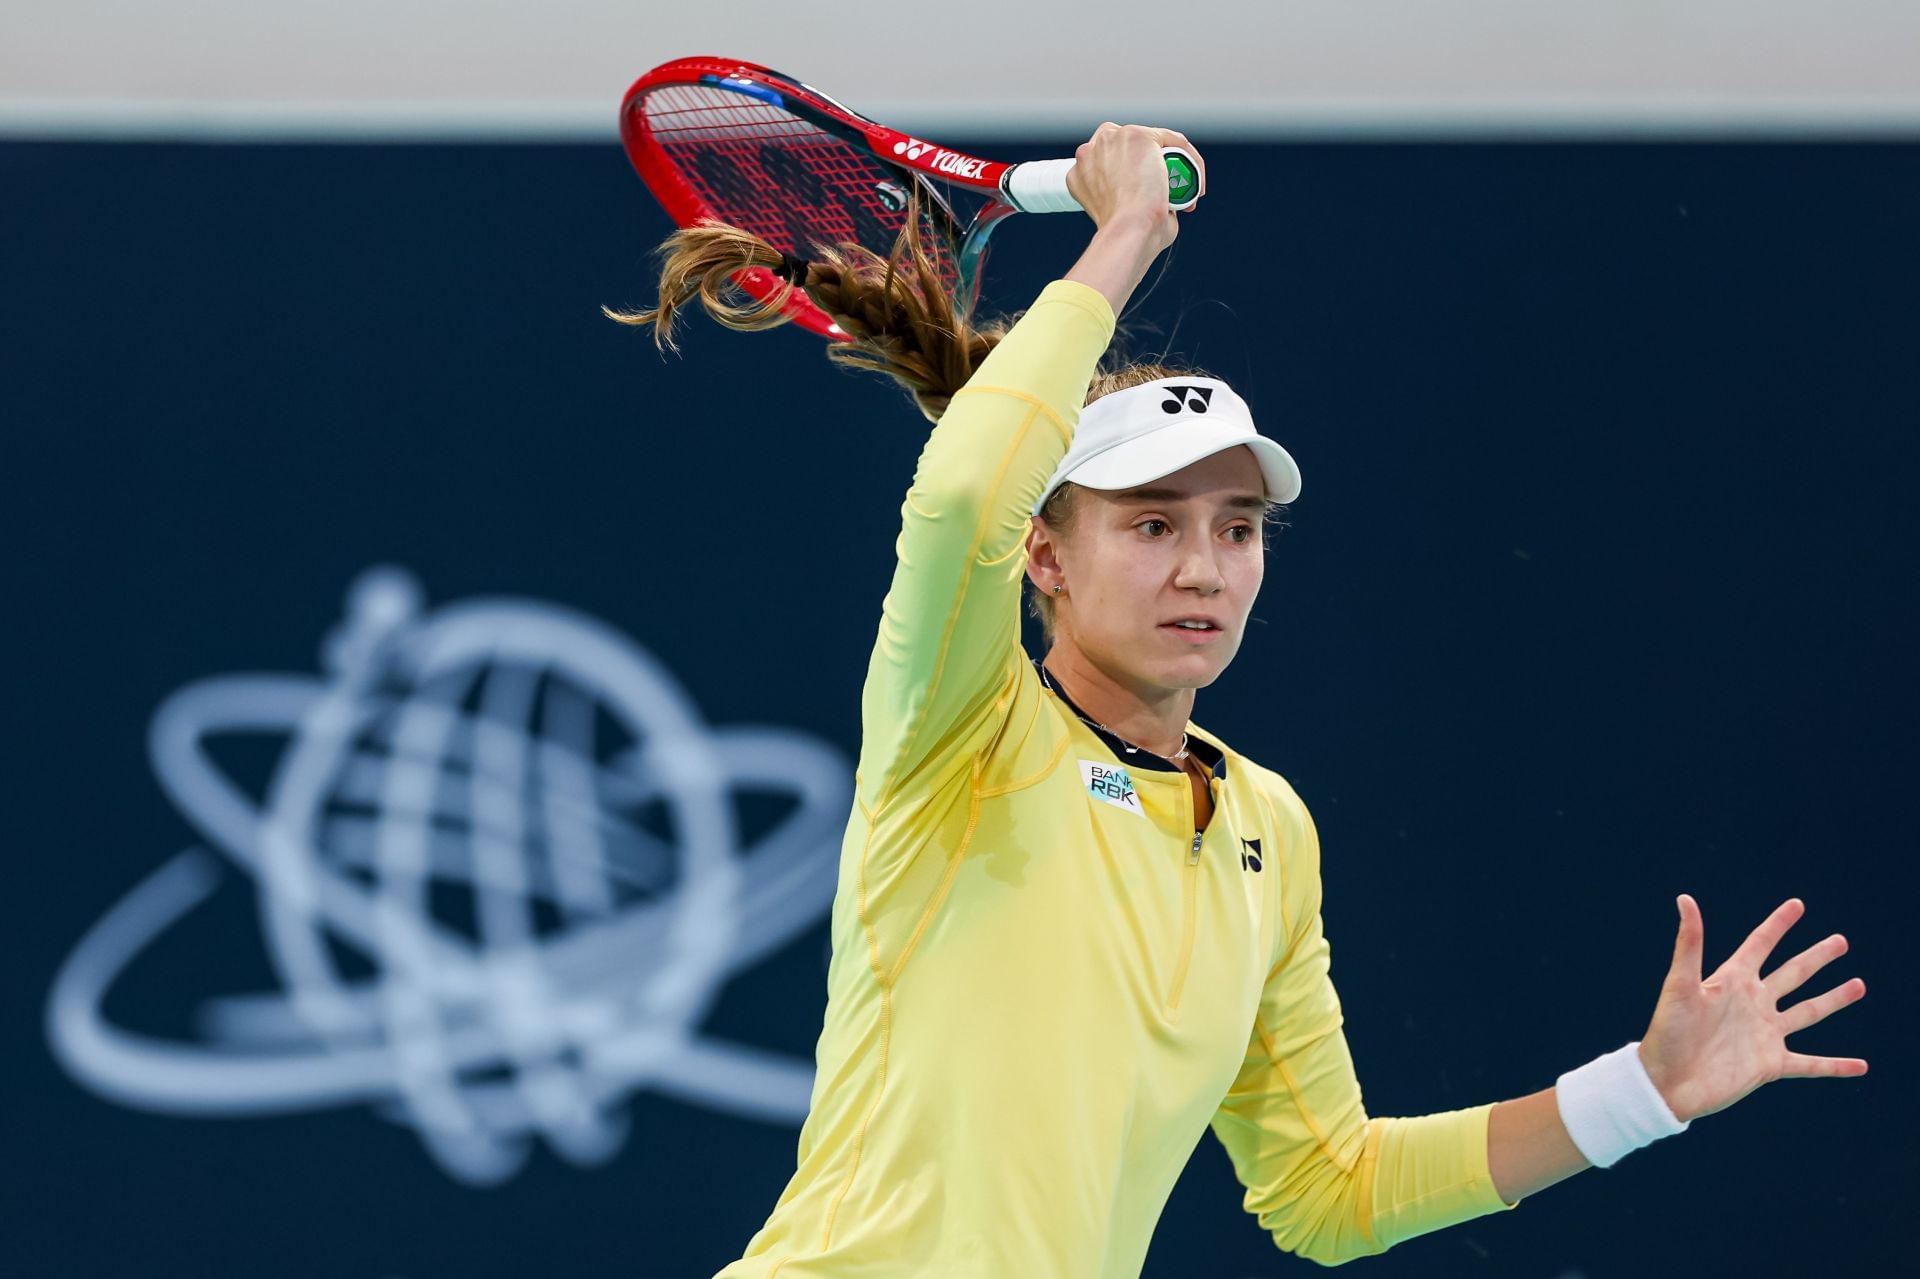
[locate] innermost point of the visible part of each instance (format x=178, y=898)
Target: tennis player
x=1073, y=928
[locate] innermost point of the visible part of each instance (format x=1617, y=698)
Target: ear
x=1043, y=560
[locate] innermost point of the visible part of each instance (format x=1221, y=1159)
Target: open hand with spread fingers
x=1712, y=1042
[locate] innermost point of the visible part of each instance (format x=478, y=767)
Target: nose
x=1199, y=572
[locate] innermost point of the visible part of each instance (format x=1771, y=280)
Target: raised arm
x=950, y=625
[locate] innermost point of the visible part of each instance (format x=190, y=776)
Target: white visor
x=1129, y=437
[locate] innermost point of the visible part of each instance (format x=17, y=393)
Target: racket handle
x=1040, y=186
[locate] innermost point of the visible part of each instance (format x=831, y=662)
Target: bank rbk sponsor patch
x=1110, y=784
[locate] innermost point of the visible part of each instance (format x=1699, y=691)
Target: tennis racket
x=732, y=140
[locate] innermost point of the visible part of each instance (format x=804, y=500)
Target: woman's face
x=1136, y=563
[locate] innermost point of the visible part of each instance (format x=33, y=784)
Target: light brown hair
x=897, y=310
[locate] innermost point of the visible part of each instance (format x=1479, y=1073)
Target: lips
x=1209, y=630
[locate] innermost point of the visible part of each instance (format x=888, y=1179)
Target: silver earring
x=1058, y=589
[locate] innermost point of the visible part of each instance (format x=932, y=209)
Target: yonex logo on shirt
x=1250, y=855
x=1110, y=785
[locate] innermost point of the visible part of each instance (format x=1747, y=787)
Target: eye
x=1153, y=528
x=1241, y=533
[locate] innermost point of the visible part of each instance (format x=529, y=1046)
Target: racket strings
x=798, y=187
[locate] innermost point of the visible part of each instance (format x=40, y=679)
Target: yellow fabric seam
x=860, y=1138
x=1369, y=1168
x=866, y=924
x=1293, y=944
x=1293, y=1090
x=1286, y=918
x=886, y=1035
x=1025, y=782
x=1018, y=549
x=1009, y=688
x=1024, y=397
x=1435, y=1193
x=887, y=981
x=946, y=880
x=892, y=779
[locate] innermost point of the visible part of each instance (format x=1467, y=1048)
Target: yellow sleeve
x=1329, y=1183
x=950, y=626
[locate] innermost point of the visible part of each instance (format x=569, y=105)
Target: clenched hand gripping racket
x=732, y=140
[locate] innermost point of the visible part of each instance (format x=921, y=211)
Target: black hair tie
x=792, y=269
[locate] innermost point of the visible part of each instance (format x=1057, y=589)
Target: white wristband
x=1610, y=1106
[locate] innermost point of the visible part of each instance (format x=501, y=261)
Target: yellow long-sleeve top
x=1045, y=984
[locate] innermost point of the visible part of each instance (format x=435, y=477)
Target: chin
x=1213, y=673
x=1194, y=670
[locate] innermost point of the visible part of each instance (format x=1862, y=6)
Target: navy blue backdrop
x=1600, y=589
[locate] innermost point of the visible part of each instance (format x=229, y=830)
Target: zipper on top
x=1190, y=893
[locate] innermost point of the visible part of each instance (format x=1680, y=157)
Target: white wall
x=556, y=68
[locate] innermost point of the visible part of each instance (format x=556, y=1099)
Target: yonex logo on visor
x=1192, y=399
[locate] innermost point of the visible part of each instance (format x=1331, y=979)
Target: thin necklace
x=1046, y=678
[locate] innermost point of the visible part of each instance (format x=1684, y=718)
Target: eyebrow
x=1246, y=501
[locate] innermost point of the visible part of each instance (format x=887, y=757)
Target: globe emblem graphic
x=502, y=875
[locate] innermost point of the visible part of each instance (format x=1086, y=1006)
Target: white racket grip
x=1040, y=186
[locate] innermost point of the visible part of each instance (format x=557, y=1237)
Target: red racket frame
x=914, y=157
